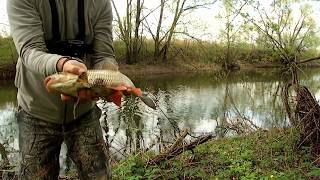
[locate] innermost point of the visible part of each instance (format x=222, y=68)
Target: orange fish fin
x=116, y=98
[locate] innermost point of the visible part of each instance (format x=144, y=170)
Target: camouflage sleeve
x=28, y=36
x=103, y=39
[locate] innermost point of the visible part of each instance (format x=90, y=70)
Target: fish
x=109, y=85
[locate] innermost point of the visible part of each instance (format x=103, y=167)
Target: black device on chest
x=74, y=47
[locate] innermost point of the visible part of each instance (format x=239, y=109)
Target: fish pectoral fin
x=116, y=98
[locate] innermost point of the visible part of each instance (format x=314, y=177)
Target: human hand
x=78, y=68
x=71, y=66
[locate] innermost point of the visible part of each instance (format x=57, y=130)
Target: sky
x=207, y=25
x=3, y=17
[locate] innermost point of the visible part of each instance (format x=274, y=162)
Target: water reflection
x=8, y=125
x=198, y=102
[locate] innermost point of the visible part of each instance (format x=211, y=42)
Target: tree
x=287, y=33
x=130, y=28
x=162, y=36
x=230, y=34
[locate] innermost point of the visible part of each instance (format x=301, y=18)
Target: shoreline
x=7, y=71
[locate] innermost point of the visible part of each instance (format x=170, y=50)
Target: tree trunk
x=157, y=40
x=136, y=45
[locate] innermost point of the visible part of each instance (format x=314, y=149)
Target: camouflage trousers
x=40, y=144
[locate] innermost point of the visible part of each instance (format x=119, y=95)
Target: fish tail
x=144, y=98
x=148, y=101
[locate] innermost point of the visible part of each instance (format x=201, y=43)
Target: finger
x=46, y=83
x=77, y=70
x=95, y=98
x=82, y=94
x=88, y=94
x=66, y=97
x=94, y=95
x=75, y=67
x=127, y=92
x=85, y=95
x=46, y=80
x=81, y=70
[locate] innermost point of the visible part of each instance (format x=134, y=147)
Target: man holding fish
x=52, y=36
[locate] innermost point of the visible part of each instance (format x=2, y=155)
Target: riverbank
x=7, y=71
x=261, y=155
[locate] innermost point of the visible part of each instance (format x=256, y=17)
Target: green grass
x=262, y=155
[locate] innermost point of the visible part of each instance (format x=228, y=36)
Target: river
x=198, y=102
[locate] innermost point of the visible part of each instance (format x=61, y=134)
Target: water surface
x=197, y=102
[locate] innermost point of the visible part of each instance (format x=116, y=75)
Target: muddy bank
x=162, y=68
x=7, y=71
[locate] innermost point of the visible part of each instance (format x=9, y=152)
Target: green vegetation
x=186, y=51
x=8, y=53
x=261, y=155
x=191, y=51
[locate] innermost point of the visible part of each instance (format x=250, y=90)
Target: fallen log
x=178, y=147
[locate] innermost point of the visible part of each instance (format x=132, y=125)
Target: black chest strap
x=55, y=21
x=81, y=21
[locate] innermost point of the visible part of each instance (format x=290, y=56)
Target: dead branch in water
x=179, y=147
